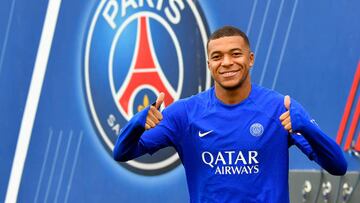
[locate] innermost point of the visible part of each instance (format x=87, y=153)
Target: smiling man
x=232, y=139
x=230, y=60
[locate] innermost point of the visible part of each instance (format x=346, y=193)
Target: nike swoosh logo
x=205, y=133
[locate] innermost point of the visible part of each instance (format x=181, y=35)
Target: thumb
x=159, y=100
x=287, y=102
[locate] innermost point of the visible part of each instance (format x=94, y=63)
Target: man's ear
x=252, y=59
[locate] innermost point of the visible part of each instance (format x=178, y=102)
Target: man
x=232, y=139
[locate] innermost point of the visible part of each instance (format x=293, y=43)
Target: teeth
x=229, y=74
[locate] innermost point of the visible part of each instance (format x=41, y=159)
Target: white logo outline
x=89, y=94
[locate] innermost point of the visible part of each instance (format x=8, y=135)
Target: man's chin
x=231, y=86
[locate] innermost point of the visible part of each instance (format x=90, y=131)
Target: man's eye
x=237, y=54
x=216, y=57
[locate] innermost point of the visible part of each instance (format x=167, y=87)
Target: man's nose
x=227, y=61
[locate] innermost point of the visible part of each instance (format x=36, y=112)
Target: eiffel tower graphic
x=145, y=72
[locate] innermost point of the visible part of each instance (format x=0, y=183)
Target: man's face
x=230, y=60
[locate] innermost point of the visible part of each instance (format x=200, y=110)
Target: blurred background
x=73, y=72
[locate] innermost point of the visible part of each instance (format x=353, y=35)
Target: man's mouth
x=228, y=73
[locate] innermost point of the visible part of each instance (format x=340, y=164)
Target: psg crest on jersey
x=134, y=50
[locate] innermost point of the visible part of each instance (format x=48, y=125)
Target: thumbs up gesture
x=285, y=117
x=154, y=115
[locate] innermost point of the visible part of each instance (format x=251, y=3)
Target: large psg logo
x=134, y=51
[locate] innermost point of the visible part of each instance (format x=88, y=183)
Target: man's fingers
x=147, y=126
x=284, y=115
x=150, y=122
x=158, y=115
x=153, y=118
x=286, y=121
x=287, y=102
x=288, y=126
x=159, y=100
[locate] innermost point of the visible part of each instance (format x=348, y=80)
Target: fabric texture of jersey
x=232, y=153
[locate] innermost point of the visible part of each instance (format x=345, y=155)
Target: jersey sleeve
x=300, y=142
x=312, y=141
x=135, y=141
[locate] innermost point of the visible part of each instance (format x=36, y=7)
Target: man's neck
x=233, y=96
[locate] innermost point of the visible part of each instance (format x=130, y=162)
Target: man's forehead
x=227, y=44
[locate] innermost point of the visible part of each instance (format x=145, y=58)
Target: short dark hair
x=228, y=31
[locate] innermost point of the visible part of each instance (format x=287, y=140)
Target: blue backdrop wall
x=307, y=49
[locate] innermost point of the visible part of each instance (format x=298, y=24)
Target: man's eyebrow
x=238, y=49
x=215, y=52
x=231, y=50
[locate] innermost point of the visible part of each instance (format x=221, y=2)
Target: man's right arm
x=129, y=145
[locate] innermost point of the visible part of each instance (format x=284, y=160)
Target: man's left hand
x=285, y=117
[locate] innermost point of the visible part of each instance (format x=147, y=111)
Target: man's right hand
x=154, y=115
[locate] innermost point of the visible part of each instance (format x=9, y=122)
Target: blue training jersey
x=232, y=153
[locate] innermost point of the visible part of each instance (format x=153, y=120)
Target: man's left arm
x=325, y=151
